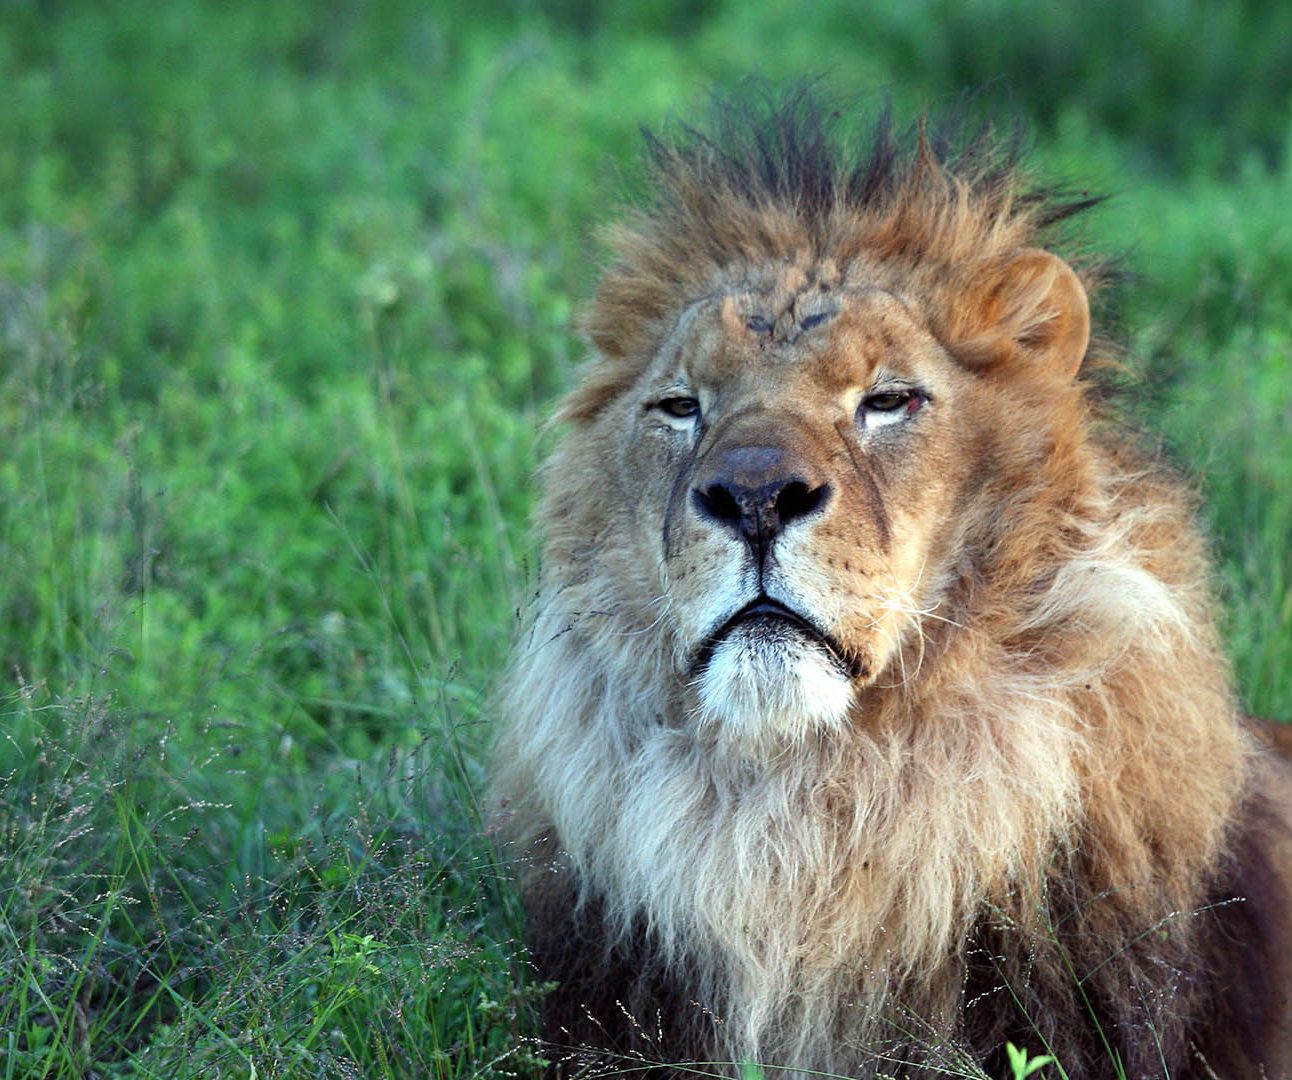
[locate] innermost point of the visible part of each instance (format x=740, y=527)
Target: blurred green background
x=285, y=292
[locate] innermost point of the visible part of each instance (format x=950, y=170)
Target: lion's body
x=872, y=712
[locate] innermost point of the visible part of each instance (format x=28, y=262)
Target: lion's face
x=791, y=472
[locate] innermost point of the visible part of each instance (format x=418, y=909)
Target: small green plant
x=1021, y=1066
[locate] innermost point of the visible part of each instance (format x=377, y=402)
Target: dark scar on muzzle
x=678, y=492
x=870, y=490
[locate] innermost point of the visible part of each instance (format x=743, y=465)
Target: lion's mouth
x=776, y=616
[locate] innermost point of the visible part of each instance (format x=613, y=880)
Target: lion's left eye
x=889, y=407
x=683, y=408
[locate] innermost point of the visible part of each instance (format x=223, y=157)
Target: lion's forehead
x=837, y=332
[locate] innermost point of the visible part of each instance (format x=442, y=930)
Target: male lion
x=872, y=712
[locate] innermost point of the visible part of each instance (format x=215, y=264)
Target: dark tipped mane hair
x=790, y=150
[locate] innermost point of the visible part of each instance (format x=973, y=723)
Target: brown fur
x=988, y=781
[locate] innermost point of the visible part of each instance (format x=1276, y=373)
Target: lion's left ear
x=1032, y=310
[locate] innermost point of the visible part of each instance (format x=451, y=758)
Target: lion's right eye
x=683, y=408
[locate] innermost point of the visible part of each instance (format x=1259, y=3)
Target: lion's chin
x=765, y=685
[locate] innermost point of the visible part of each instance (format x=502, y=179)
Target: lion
x=871, y=713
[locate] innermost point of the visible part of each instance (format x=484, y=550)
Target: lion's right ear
x=1030, y=310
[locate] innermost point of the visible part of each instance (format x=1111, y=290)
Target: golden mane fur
x=1033, y=815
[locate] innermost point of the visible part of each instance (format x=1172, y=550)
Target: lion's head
x=794, y=471
x=854, y=614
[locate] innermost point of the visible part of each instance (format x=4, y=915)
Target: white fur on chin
x=771, y=684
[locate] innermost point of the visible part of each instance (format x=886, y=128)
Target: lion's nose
x=756, y=491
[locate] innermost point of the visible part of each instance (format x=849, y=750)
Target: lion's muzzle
x=757, y=491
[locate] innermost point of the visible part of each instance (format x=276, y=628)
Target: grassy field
x=285, y=292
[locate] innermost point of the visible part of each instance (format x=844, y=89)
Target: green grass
x=285, y=293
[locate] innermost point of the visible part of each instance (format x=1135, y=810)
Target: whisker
x=667, y=601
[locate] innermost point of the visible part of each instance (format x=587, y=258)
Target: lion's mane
x=1029, y=833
